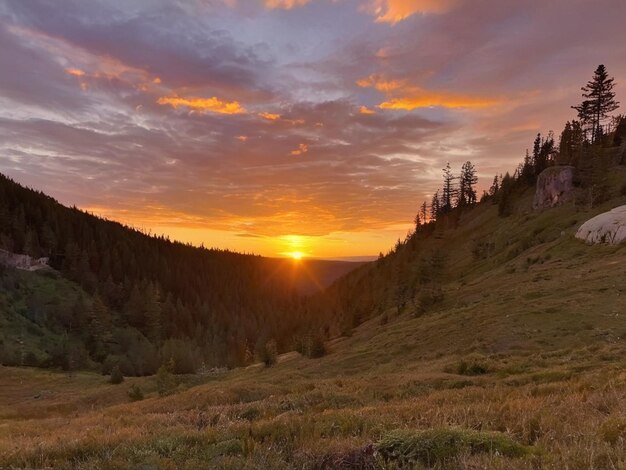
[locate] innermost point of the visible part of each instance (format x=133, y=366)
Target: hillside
x=513, y=358
x=118, y=296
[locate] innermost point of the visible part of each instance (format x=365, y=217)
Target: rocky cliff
x=24, y=262
x=556, y=185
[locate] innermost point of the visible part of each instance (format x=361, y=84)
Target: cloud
x=270, y=116
x=213, y=105
x=302, y=149
x=409, y=97
x=417, y=98
x=366, y=110
x=394, y=11
x=380, y=83
x=284, y=4
x=75, y=72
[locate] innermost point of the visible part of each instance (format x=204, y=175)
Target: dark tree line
x=200, y=305
x=456, y=192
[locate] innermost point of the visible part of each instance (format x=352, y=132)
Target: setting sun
x=296, y=255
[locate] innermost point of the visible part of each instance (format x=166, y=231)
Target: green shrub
x=116, y=375
x=436, y=446
x=135, y=393
x=311, y=346
x=165, y=380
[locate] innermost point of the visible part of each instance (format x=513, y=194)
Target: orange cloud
x=242, y=138
x=302, y=148
x=270, y=116
x=379, y=83
x=418, y=98
x=366, y=110
x=75, y=72
x=214, y=104
x=407, y=97
x=284, y=4
x=394, y=11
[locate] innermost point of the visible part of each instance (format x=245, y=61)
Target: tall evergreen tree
x=424, y=212
x=599, y=101
x=435, y=206
x=571, y=143
x=448, y=191
x=467, y=183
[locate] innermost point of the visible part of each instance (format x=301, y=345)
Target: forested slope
x=138, y=298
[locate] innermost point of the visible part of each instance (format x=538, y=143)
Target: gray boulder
x=555, y=186
x=608, y=227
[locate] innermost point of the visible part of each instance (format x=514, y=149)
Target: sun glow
x=296, y=255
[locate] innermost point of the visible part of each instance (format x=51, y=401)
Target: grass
x=439, y=446
x=520, y=366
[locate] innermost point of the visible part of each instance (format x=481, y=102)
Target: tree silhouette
x=599, y=101
x=448, y=191
x=467, y=183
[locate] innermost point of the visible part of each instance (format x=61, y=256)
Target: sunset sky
x=276, y=126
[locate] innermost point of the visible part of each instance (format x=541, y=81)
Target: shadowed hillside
x=118, y=296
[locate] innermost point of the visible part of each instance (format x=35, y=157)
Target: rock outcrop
x=556, y=185
x=608, y=227
x=23, y=262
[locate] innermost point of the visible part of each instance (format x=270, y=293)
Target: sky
x=280, y=126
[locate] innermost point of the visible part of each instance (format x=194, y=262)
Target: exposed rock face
x=608, y=227
x=556, y=185
x=23, y=262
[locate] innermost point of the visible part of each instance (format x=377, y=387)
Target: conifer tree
x=495, y=186
x=448, y=191
x=599, y=101
x=467, y=183
x=571, y=142
x=424, y=212
x=435, y=206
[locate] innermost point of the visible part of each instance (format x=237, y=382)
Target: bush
x=116, y=376
x=613, y=430
x=429, y=297
x=251, y=414
x=267, y=353
x=311, y=346
x=165, y=380
x=437, y=446
x=473, y=368
x=135, y=393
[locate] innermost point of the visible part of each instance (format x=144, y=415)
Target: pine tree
x=495, y=186
x=620, y=131
x=448, y=191
x=424, y=212
x=435, y=207
x=506, y=199
x=571, y=142
x=467, y=183
x=599, y=101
